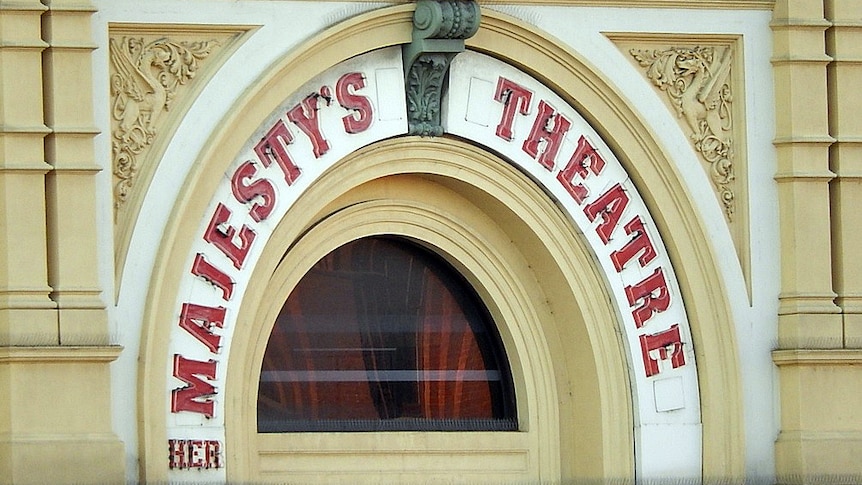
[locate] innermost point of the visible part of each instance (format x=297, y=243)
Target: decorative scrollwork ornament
x=144, y=82
x=696, y=81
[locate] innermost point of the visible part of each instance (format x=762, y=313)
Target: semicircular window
x=384, y=335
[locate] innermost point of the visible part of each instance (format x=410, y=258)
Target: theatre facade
x=430, y=242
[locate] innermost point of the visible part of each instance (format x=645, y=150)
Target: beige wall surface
x=774, y=296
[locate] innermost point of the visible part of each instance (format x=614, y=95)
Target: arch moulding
x=572, y=78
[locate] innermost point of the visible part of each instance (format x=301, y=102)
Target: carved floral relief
x=696, y=80
x=144, y=83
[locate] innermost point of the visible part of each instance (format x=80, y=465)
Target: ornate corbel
x=439, y=30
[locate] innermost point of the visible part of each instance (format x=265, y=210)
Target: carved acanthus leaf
x=697, y=83
x=439, y=30
x=424, y=91
x=145, y=77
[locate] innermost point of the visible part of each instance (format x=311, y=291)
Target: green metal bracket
x=439, y=30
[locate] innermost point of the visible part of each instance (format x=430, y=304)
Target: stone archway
x=711, y=331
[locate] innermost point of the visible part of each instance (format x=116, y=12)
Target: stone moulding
x=696, y=81
x=689, y=4
x=145, y=78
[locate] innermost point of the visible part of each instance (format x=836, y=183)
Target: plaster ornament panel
x=155, y=73
x=695, y=80
x=699, y=78
x=145, y=79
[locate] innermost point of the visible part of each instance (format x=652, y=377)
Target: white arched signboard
x=492, y=104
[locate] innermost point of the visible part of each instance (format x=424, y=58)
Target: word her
x=188, y=454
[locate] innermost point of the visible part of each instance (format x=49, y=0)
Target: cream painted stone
x=54, y=428
x=821, y=432
x=27, y=315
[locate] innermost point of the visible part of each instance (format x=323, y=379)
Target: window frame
x=443, y=279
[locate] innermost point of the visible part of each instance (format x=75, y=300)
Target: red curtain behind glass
x=380, y=330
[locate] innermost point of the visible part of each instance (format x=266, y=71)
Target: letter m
x=197, y=395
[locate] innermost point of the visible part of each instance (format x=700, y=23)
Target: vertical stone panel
x=71, y=186
x=808, y=316
x=27, y=315
x=55, y=393
x=818, y=69
x=844, y=45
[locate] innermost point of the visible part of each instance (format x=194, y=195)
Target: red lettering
x=361, y=119
x=610, y=205
x=213, y=454
x=273, y=148
x=187, y=398
x=247, y=192
x=515, y=98
x=201, y=267
x=197, y=456
x=546, y=136
x=199, y=320
x=186, y=454
x=668, y=344
x=584, y=161
x=221, y=235
x=652, y=291
x=177, y=454
x=305, y=116
x=641, y=242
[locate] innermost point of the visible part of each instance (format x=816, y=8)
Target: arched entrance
x=538, y=276
x=505, y=237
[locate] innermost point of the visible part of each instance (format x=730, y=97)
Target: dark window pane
x=382, y=334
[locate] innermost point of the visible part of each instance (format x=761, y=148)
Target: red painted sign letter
x=550, y=127
x=515, y=98
x=361, y=119
x=246, y=193
x=305, y=116
x=610, y=206
x=583, y=161
x=661, y=342
x=201, y=267
x=641, y=242
x=186, y=398
x=199, y=320
x=654, y=293
x=221, y=235
x=273, y=148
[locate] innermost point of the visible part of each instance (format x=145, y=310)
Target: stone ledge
x=60, y=354
x=809, y=357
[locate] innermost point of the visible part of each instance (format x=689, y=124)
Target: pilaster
x=844, y=45
x=818, y=69
x=808, y=316
x=55, y=383
x=27, y=315
x=71, y=185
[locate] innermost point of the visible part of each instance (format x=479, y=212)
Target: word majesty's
x=260, y=195
x=645, y=298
